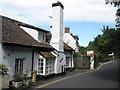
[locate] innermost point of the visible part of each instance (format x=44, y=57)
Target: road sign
x=111, y=54
x=90, y=53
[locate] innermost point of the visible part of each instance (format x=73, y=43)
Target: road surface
x=106, y=77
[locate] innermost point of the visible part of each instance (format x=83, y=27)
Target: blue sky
x=84, y=17
x=86, y=31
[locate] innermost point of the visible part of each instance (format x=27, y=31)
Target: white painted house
x=21, y=52
x=71, y=40
x=45, y=63
x=25, y=47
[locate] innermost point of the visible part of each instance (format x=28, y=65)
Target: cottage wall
x=0, y=39
x=11, y=53
x=59, y=63
x=31, y=32
x=69, y=54
x=69, y=40
x=37, y=35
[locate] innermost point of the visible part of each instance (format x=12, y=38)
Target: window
x=49, y=66
x=67, y=61
x=19, y=65
x=44, y=37
x=40, y=65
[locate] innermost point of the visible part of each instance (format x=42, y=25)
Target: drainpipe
x=71, y=61
x=32, y=69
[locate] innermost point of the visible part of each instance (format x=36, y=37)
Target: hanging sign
x=90, y=53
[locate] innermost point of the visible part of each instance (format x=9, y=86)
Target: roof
x=66, y=47
x=25, y=25
x=13, y=34
x=47, y=54
x=75, y=37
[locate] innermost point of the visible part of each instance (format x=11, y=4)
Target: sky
x=84, y=17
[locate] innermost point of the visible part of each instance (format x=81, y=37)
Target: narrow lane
x=106, y=77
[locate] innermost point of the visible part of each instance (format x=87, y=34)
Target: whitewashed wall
x=32, y=32
x=69, y=40
x=11, y=53
x=59, y=61
x=70, y=55
x=37, y=35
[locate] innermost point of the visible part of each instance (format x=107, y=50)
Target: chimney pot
x=67, y=30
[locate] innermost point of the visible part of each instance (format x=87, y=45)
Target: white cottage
x=71, y=40
x=20, y=51
x=44, y=62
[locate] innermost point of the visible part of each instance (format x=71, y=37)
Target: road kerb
x=61, y=79
x=72, y=76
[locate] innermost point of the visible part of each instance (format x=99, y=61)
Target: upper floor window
x=42, y=36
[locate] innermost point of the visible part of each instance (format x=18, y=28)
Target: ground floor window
x=49, y=66
x=67, y=61
x=40, y=65
x=19, y=65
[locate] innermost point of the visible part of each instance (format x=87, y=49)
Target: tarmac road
x=108, y=76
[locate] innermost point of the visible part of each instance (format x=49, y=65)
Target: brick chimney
x=67, y=30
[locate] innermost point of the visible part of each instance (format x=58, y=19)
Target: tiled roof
x=13, y=34
x=47, y=54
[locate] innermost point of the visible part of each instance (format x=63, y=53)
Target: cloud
x=37, y=12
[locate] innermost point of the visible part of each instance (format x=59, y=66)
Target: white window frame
x=19, y=65
x=49, y=69
x=40, y=66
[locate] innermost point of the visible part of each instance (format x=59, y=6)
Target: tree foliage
x=105, y=44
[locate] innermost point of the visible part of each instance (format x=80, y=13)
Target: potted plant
x=5, y=76
x=18, y=80
x=26, y=79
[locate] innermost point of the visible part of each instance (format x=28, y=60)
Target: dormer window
x=42, y=36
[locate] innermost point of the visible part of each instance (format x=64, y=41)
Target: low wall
x=81, y=62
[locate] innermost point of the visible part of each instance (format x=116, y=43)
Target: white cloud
x=36, y=12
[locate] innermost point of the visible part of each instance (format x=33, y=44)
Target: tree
x=106, y=43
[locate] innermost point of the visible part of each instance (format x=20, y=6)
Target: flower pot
x=34, y=77
x=17, y=84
